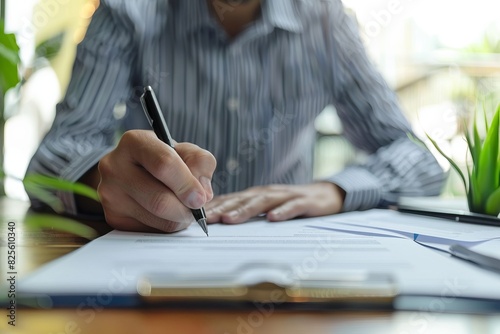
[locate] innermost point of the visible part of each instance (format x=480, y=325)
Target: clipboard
x=361, y=291
x=364, y=292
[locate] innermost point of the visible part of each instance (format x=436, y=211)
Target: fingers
x=253, y=207
x=143, y=188
x=294, y=208
x=240, y=207
x=163, y=162
x=221, y=205
x=318, y=199
x=123, y=213
x=279, y=202
x=145, y=185
x=130, y=224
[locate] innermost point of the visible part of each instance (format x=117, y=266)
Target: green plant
x=40, y=186
x=49, y=48
x=9, y=77
x=489, y=44
x=482, y=183
x=9, y=60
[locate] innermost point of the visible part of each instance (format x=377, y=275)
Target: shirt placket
x=232, y=105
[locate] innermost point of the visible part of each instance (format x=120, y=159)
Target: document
x=426, y=230
x=283, y=253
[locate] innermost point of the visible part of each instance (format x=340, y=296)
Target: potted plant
x=42, y=187
x=482, y=180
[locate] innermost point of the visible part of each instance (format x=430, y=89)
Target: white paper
x=439, y=233
x=287, y=251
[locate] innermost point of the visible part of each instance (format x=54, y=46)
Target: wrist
x=336, y=194
x=84, y=204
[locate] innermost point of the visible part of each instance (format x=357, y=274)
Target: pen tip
x=203, y=223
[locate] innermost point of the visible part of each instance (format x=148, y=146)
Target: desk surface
x=36, y=247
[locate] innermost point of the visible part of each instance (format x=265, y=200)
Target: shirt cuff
x=74, y=171
x=362, y=188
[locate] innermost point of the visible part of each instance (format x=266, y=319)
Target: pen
x=155, y=118
x=481, y=260
x=456, y=215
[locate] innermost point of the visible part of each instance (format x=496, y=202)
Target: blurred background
x=441, y=57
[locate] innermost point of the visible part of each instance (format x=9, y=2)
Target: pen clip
x=155, y=116
x=146, y=110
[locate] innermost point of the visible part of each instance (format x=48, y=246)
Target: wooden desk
x=36, y=248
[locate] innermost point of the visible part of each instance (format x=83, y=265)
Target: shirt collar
x=282, y=14
x=192, y=15
x=195, y=15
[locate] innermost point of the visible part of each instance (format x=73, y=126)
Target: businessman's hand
x=278, y=202
x=145, y=185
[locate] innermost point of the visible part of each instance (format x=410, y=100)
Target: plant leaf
x=58, y=184
x=470, y=145
x=9, y=58
x=498, y=158
x=474, y=196
x=487, y=176
x=485, y=117
x=472, y=191
x=452, y=163
x=45, y=196
x=50, y=48
x=416, y=140
x=492, y=206
x=60, y=223
x=476, y=146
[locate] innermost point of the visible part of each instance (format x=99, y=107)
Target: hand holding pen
x=155, y=117
x=144, y=185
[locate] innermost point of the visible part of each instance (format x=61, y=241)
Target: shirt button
x=233, y=104
x=120, y=110
x=232, y=165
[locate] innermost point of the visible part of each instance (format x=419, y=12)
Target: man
x=245, y=81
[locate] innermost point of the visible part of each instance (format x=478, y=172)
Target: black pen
x=155, y=118
x=455, y=215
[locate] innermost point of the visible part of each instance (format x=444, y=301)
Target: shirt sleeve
x=373, y=122
x=84, y=127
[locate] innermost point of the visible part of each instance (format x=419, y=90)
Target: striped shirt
x=251, y=100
